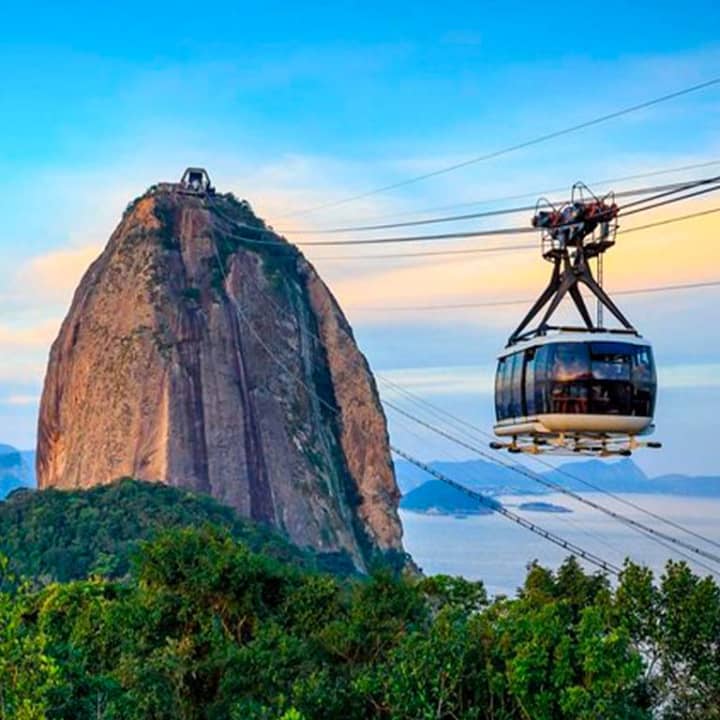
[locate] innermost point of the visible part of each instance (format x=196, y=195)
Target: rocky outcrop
x=203, y=351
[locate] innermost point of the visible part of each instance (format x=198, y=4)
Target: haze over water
x=493, y=549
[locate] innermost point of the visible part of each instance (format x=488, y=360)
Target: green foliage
x=60, y=536
x=251, y=234
x=676, y=624
x=204, y=628
x=27, y=673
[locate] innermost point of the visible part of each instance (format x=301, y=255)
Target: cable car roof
x=575, y=336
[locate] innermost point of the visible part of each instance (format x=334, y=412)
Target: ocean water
x=495, y=550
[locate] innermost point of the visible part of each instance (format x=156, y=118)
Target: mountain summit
x=203, y=351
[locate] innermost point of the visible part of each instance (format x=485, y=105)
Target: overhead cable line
x=525, y=301
x=459, y=218
x=469, y=216
x=513, y=148
x=470, y=476
x=521, y=470
x=668, y=221
x=673, y=189
x=668, y=201
x=548, y=191
x=430, y=253
x=524, y=230
x=502, y=510
x=463, y=425
x=509, y=248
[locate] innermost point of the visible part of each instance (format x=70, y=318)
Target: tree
x=27, y=672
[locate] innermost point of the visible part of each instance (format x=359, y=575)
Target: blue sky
x=294, y=105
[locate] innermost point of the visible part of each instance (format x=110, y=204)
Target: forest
x=202, y=625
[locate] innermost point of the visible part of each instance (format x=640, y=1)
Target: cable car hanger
x=571, y=236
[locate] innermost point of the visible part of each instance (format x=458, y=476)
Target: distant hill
x=437, y=498
x=58, y=535
x=619, y=476
x=475, y=473
x=543, y=507
x=17, y=469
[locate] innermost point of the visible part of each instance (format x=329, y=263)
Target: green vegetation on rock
x=58, y=535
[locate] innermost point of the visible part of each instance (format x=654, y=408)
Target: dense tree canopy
x=203, y=627
x=139, y=601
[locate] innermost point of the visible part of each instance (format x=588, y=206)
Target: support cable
x=657, y=535
x=487, y=232
x=470, y=216
x=500, y=509
x=513, y=148
x=525, y=301
x=461, y=474
x=550, y=191
x=669, y=201
x=460, y=424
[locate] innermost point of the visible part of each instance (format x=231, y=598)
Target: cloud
x=54, y=275
x=437, y=381
x=699, y=375
x=21, y=400
x=22, y=368
x=24, y=350
x=23, y=338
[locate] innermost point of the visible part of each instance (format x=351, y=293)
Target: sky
x=293, y=106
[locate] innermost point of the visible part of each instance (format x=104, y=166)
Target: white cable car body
x=588, y=390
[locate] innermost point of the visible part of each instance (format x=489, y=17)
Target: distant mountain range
x=17, y=469
x=619, y=476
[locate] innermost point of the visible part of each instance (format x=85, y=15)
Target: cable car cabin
x=568, y=384
x=581, y=389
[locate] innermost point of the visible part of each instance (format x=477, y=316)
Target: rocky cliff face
x=203, y=351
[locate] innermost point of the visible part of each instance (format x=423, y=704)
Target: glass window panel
x=568, y=397
x=542, y=404
x=516, y=386
x=507, y=378
x=503, y=396
x=500, y=390
x=644, y=383
x=610, y=397
x=611, y=361
x=567, y=375
x=569, y=362
x=530, y=381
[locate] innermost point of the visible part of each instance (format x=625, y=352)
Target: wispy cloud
x=21, y=400
x=20, y=338
x=431, y=381
x=54, y=276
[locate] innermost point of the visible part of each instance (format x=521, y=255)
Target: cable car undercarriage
x=575, y=390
